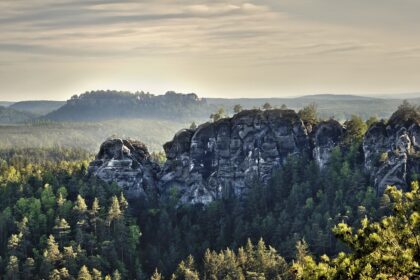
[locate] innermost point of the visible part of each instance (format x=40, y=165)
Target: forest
x=57, y=222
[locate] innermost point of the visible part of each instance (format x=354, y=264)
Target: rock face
x=224, y=158
x=391, y=153
x=127, y=163
x=326, y=136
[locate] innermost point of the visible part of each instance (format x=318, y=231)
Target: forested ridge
x=105, y=105
x=57, y=222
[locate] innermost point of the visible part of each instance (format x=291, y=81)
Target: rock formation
x=391, y=153
x=326, y=136
x=127, y=163
x=224, y=158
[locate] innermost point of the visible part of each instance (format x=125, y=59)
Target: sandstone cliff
x=391, y=152
x=128, y=164
x=223, y=158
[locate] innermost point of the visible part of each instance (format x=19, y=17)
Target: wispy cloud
x=239, y=39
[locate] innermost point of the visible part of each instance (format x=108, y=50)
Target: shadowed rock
x=392, y=153
x=224, y=158
x=326, y=136
x=127, y=163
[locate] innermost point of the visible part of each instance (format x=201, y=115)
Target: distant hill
x=105, y=105
x=6, y=103
x=11, y=116
x=342, y=97
x=37, y=107
x=108, y=105
x=340, y=107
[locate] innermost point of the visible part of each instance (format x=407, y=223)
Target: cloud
x=243, y=39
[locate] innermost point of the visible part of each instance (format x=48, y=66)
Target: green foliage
x=58, y=223
x=237, y=108
x=193, y=126
x=267, y=106
x=371, y=121
x=218, y=115
x=158, y=157
x=299, y=202
x=156, y=276
x=406, y=112
x=249, y=262
x=309, y=114
x=387, y=249
x=355, y=130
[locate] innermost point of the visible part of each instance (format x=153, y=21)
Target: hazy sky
x=52, y=49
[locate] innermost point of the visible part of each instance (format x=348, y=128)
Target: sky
x=52, y=49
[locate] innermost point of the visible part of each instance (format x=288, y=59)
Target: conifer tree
x=12, y=269
x=52, y=252
x=114, y=212
x=84, y=274
x=156, y=276
x=96, y=274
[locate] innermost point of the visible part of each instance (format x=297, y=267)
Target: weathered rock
x=326, y=136
x=127, y=163
x=223, y=158
x=391, y=153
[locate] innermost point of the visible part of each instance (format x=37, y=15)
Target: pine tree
x=267, y=106
x=80, y=205
x=62, y=229
x=52, y=252
x=96, y=274
x=237, y=108
x=84, y=274
x=186, y=270
x=114, y=212
x=123, y=202
x=28, y=268
x=94, y=214
x=156, y=275
x=59, y=274
x=116, y=275
x=193, y=126
x=14, y=242
x=388, y=249
x=12, y=269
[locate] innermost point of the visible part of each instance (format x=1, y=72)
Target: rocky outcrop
x=326, y=136
x=224, y=158
x=127, y=163
x=392, y=153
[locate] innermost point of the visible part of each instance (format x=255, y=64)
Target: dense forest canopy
x=57, y=222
